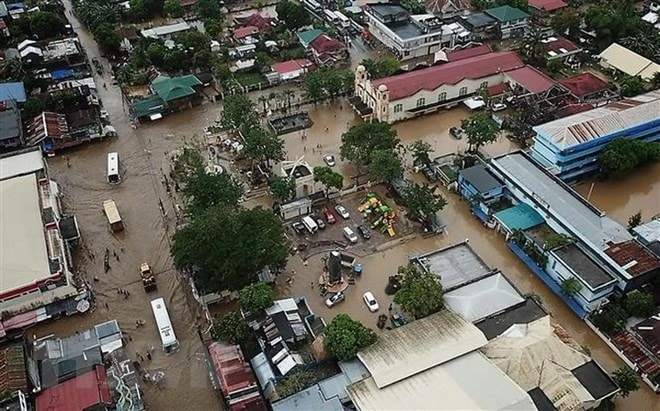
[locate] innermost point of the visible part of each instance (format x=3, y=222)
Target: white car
x=498, y=107
x=370, y=301
x=350, y=235
x=342, y=211
x=329, y=160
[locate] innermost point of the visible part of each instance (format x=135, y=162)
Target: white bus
x=312, y=5
x=344, y=21
x=167, y=337
x=113, y=168
x=310, y=224
x=330, y=16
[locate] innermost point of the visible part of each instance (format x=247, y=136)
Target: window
x=421, y=102
x=484, y=85
x=442, y=96
x=462, y=91
x=398, y=108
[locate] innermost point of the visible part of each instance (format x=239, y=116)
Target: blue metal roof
x=13, y=91
x=61, y=73
x=519, y=217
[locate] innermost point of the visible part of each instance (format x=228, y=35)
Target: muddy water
x=623, y=198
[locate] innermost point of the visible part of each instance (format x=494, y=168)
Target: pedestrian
x=148, y=355
x=304, y=149
x=311, y=285
x=139, y=356
x=96, y=278
x=107, y=307
x=390, y=307
x=114, y=253
x=137, y=323
x=117, y=257
x=129, y=337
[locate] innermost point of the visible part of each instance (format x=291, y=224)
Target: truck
x=148, y=279
x=112, y=213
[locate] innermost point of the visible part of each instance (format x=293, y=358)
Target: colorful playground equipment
x=378, y=213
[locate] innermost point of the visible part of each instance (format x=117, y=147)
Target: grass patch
x=249, y=79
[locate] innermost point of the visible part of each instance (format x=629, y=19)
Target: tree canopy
x=480, y=130
x=226, y=249
x=631, y=86
x=623, y=155
x=627, y=380
x=283, y=188
x=385, y=165
x=329, y=178
x=421, y=152
x=188, y=165
x=381, y=67
x=571, y=286
x=292, y=15
x=421, y=292
x=361, y=140
x=173, y=8
x=256, y=297
x=263, y=145
x=231, y=328
x=639, y=304
x=238, y=112
x=422, y=200
x=208, y=190
x=208, y=9
x=45, y=24
x=325, y=83
x=344, y=337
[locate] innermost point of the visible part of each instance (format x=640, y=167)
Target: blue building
x=569, y=147
x=480, y=187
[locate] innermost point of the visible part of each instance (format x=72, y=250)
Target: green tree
x=382, y=67
x=567, y=23
x=33, y=107
x=213, y=27
x=622, y=156
x=421, y=292
x=361, y=140
x=208, y=9
x=414, y=6
x=611, y=319
x=263, y=145
x=557, y=240
x=555, y=67
x=188, y=165
x=283, y=188
x=634, y=220
x=627, y=380
x=45, y=24
x=256, y=297
x=639, y=304
x=312, y=85
x=292, y=15
x=328, y=178
x=385, y=165
x=421, y=151
x=480, y=130
x=571, y=286
x=344, y=337
x=226, y=249
x=173, y=8
x=231, y=328
x=156, y=52
x=107, y=38
x=631, y=86
x=208, y=190
x=238, y=113
x=422, y=200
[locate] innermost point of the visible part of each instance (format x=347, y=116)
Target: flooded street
x=147, y=235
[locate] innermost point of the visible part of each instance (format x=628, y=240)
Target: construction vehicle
x=148, y=279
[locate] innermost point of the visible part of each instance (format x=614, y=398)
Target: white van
x=310, y=224
x=113, y=168
x=350, y=235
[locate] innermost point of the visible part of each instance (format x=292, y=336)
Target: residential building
x=546, y=8
x=587, y=88
x=167, y=31
x=170, y=94
x=511, y=22
x=556, y=373
x=477, y=182
x=559, y=48
x=464, y=53
x=434, y=363
x=620, y=59
x=407, y=95
x=13, y=91
x=308, y=36
x=246, y=35
x=49, y=131
x=36, y=279
x=597, y=251
x=65, y=52
x=328, y=51
x=411, y=36
x=84, y=392
x=257, y=20
x=235, y=378
x=448, y=9
x=13, y=376
x=481, y=25
x=292, y=69
x=569, y=147
x=649, y=235
x=11, y=128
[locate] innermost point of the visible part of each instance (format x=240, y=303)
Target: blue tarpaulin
x=62, y=74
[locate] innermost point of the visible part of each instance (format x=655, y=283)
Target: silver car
x=329, y=160
x=335, y=299
x=342, y=211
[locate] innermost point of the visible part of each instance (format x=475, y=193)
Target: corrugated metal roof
x=469, y=382
x=629, y=62
x=482, y=298
x=599, y=122
x=420, y=345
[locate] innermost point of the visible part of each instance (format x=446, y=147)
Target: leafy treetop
x=344, y=337
x=421, y=292
x=361, y=140
x=480, y=129
x=256, y=297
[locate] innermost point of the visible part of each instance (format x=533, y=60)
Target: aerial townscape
x=320, y=205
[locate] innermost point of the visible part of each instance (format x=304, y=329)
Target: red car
x=330, y=218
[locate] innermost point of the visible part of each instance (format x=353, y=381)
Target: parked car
x=430, y=175
x=319, y=221
x=329, y=217
x=350, y=235
x=335, y=299
x=498, y=107
x=329, y=160
x=364, y=232
x=342, y=211
x=456, y=132
x=370, y=301
x=298, y=227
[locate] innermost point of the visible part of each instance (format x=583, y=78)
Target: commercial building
x=620, y=59
x=235, y=378
x=510, y=21
x=166, y=32
x=85, y=392
x=11, y=128
x=411, y=36
x=36, y=279
x=569, y=147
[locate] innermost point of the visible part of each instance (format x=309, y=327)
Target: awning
x=473, y=103
x=156, y=116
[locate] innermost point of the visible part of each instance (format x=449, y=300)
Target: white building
x=35, y=276
x=411, y=36
x=619, y=58
x=407, y=95
x=165, y=32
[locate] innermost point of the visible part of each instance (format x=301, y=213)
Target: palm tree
x=263, y=100
x=289, y=94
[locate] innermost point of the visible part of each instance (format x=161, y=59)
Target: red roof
x=77, y=393
x=245, y=32
x=233, y=371
x=467, y=53
x=630, y=253
x=497, y=89
x=256, y=20
x=407, y=84
x=547, y=5
x=584, y=84
x=292, y=65
x=531, y=79
x=324, y=44
x=561, y=46
x=571, y=108
x=12, y=369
